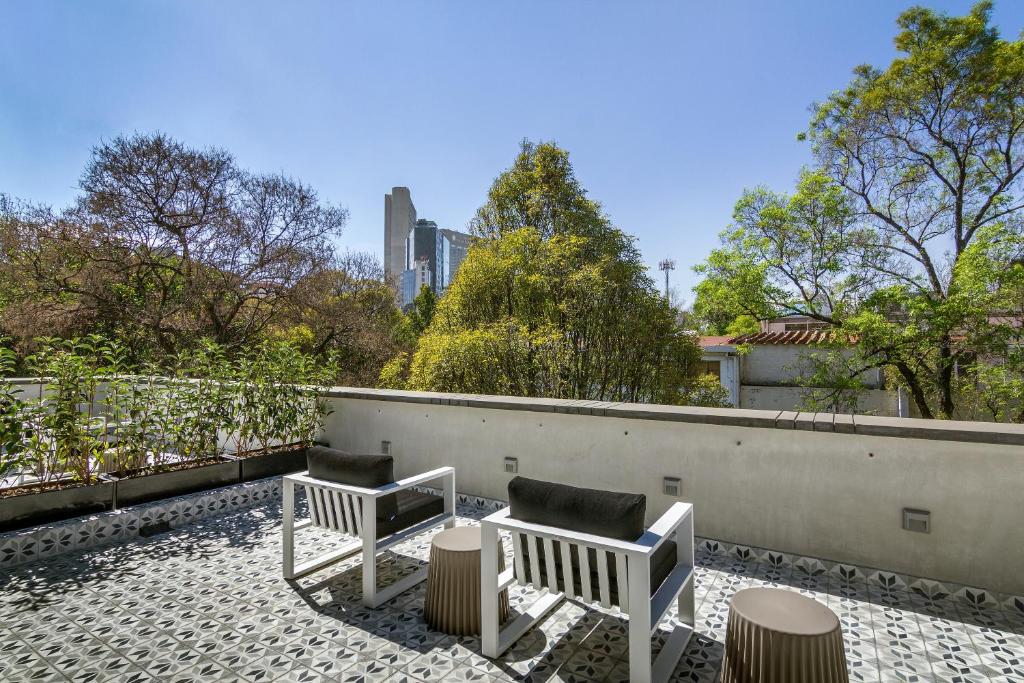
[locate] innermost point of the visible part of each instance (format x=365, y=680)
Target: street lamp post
x=666, y=265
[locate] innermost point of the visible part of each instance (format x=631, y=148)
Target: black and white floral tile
x=207, y=601
x=121, y=525
x=817, y=573
x=81, y=533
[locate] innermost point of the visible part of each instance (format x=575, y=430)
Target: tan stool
x=453, y=583
x=779, y=636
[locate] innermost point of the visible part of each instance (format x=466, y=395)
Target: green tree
x=347, y=312
x=553, y=300
x=990, y=277
x=915, y=164
x=718, y=308
x=422, y=312
x=12, y=446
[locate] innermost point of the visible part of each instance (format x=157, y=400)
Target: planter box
x=30, y=509
x=272, y=464
x=131, y=490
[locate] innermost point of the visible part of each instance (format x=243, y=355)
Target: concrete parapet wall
x=821, y=485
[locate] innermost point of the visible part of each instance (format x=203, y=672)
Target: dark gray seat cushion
x=368, y=471
x=403, y=509
x=591, y=511
x=662, y=563
x=395, y=511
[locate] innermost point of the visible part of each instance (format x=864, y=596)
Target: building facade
x=762, y=370
x=399, y=222
x=424, y=244
x=414, y=279
x=454, y=246
x=416, y=251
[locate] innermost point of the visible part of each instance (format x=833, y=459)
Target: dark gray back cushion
x=369, y=471
x=602, y=513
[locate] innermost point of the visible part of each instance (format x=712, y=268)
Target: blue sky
x=668, y=109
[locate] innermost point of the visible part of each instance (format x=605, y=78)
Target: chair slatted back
x=566, y=566
x=335, y=510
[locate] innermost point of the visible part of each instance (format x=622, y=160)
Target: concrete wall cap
x=866, y=425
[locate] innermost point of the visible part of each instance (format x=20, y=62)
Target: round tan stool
x=778, y=636
x=453, y=582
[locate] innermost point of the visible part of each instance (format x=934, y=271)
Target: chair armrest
x=663, y=529
x=303, y=478
x=416, y=480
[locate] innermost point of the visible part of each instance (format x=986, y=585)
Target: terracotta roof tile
x=714, y=341
x=804, y=337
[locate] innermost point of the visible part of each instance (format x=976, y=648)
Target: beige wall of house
x=775, y=364
x=755, y=477
x=869, y=401
x=765, y=377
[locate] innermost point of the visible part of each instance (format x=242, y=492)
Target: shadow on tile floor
x=207, y=601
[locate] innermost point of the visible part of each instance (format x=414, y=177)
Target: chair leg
x=489, y=598
x=369, y=552
x=639, y=620
x=288, y=530
x=504, y=637
x=686, y=605
x=685, y=553
x=639, y=651
x=397, y=588
x=449, y=500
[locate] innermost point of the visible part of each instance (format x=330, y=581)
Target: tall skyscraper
x=425, y=244
x=454, y=246
x=399, y=221
x=417, y=252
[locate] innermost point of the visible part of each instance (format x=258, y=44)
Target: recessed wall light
x=672, y=486
x=917, y=520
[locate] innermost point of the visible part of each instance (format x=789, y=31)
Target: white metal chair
x=352, y=510
x=623, y=569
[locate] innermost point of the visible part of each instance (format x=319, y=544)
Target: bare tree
x=171, y=243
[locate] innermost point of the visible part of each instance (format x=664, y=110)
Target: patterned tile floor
x=206, y=602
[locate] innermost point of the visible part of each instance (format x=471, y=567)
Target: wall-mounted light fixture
x=511, y=465
x=672, y=486
x=917, y=520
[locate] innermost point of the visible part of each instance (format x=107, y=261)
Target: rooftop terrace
x=206, y=601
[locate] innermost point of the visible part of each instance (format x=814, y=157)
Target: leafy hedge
x=91, y=412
